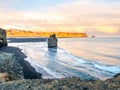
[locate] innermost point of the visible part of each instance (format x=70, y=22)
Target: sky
x=94, y=17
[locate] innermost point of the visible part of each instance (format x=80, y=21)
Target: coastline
x=34, y=82
x=28, y=71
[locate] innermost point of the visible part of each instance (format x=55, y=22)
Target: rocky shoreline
x=28, y=71
x=24, y=77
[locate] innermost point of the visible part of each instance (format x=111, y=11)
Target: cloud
x=104, y=17
x=91, y=16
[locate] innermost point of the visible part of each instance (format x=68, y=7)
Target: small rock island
x=52, y=41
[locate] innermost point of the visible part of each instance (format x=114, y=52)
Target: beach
x=34, y=80
x=87, y=58
x=28, y=70
x=18, y=82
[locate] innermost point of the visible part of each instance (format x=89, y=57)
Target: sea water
x=87, y=58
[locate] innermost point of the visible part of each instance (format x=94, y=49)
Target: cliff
x=24, y=33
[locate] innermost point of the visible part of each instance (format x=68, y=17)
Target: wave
x=59, y=63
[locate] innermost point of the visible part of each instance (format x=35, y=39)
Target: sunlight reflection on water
x=85, y=58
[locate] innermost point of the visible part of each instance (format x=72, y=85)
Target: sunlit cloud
x=92, y=16
x=108, y=29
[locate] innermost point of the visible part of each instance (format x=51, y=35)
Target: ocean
x=87, y=58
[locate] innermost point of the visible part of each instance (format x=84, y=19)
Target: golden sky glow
x=95, y=17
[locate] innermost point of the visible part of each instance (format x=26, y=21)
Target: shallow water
x=103, y=50
x=81, y=57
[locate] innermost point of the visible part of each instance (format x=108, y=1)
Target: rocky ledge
x=9, y=64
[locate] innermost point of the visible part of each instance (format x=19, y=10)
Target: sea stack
x=52, y=41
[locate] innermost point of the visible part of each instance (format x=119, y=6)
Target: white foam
x=77, y=59
x=72, y=56
x=113, y=69
x=39, y=57
x=37, y=66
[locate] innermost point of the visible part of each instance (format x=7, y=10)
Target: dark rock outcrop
x=52, y=41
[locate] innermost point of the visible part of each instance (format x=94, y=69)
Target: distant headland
x=24, y=33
